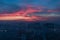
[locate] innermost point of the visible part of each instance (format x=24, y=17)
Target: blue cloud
x=13, y=5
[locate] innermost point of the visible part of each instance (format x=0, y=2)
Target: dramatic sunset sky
x=46, y=7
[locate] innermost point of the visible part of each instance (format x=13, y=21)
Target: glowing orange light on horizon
x=22, y=18
x=22, y=15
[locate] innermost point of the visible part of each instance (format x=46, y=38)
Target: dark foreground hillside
x=29, y=31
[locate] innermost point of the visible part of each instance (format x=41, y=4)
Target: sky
x=15, y=5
